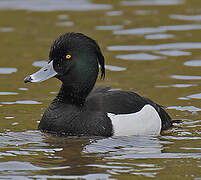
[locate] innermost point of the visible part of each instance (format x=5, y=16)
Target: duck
x=80, y=108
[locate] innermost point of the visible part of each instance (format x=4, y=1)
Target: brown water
x=151, y=47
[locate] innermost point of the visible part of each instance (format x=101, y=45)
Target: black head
x=70, y=49
x=74, y=59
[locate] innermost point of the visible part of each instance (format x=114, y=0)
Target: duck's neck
x=71, y=95
x=74, y=94
x=79, y=81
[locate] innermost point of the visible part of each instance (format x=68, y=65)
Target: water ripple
x=114, y=13
x=173, y=53
x=63, y=16
x=110, y=27
x=39, y=63
x=139, y=56
x=124, y=145
x=176, y=85
x=139, y=31
x=23, y=166
x=152, y=3
x=22, y=102
x=159, y=36
x=179, y=45
x=195, y=96
x=6, y=29
x=21, y=138
x=7, y=70
x=146, y=12
x=157, y=156
x=184, y=77
x=185, y=108
x=51, y=5
x=23, y=89
x=114, y=68
x=88, y=176
x=160, y=29
x=9, y=117
x=195, y=63
x=186, y=17
x=66, y=23
x=8, y=93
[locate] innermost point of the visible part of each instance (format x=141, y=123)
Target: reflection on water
x=9, y=117
x=114, y=13
x=139, y=56
x=39, y=63
x=19, y=166
x=52, y=92
x=183, y=98
x=139, y=31
x=196, y=63
x=22, y=102
x=146, y=12
x=124, y=145
x=184, y=77
x=162, y=41
x=63, y=16
x=6, y=29
x=177, y=85
x=152, y=2
x=160, y=29
x=159, y=36
x=111, y=27
x=23, y=89
x=195, y=96
x=186, y=17
x=7, y=70
x=114, y=68
x=173, y=53
x=162, y=156
x=8, y=93
x=66, y=23
x=14, y=123
x=62, y=155
x=185, y=108
x=51, y=5
x=155, y=47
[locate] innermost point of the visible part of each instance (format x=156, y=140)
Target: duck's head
x=74, y=60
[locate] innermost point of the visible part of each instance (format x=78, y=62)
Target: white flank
x=145, y=122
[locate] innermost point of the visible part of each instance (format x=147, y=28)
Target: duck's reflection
x=85, y=155
x=75, y=156
x=124, y=145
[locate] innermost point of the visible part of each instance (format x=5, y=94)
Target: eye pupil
x=68, y=56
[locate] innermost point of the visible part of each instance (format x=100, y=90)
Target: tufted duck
x=82, y=109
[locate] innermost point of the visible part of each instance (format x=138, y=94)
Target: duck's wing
x=124, y=102
x=100, y=89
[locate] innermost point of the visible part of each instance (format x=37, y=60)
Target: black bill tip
x=27, y=79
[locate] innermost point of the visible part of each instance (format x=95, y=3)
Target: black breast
x=66, y=119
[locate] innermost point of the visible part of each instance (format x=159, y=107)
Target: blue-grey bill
x=43, y=74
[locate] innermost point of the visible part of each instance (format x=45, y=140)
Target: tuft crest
x=101, y=61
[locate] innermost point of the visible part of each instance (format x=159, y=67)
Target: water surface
x=151, y=47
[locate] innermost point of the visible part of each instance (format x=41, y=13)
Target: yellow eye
x=68, y=56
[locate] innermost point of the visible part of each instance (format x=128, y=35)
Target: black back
x=124, y=102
